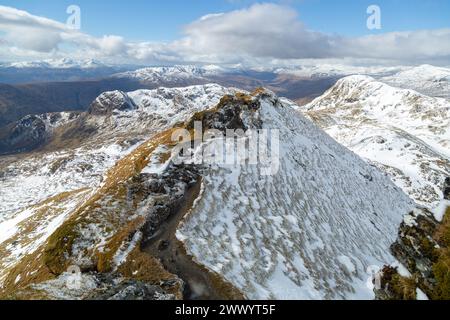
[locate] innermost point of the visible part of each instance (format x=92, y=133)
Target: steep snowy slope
x=310, y=230
x=401, y=131
x=426, y=79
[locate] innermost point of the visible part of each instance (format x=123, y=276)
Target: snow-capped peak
x=354, y=80
x=426, y=71
x=337, y=70
x=171, y=73
x=405, y=133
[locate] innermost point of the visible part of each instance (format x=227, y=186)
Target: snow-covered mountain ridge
x=78, y=154
x=405, y=133
x=333, y=70
x=310, y=231
x=172, y=73
x=426, y=79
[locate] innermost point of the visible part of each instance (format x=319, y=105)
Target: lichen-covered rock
x=26, y=134
x=168, y=190
x=423, y=248
x=415, y=246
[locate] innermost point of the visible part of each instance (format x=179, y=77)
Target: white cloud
x=262, y=32
x=30, y=32
x=24, y=31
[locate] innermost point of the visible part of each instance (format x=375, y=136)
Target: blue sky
x=143, y=20
x=245, y=31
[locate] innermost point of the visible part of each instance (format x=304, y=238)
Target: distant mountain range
x=56, y=70
x=63, y=63
x=20, y=100
x=299, y=84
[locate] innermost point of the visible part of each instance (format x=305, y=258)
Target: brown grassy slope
x=102, y=210
x=111, y=212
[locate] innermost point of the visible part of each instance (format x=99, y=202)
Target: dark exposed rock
x=380, y=140
x=416, y=249
x=366, y=176
x=31, y=132
x=423, y=248
x=24, y=135
x=447, y=188
x=115, y=288
x=167, y=189
x=227, y=115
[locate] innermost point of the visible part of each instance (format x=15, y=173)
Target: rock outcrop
x=422, y=248
x=32, y=131
x=108, y=102
x=415, y=246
